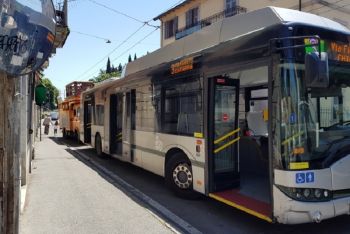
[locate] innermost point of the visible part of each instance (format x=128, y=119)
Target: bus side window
x=181, y=108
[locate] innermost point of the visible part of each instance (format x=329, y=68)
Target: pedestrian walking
x=47, y=123
x=55, y=127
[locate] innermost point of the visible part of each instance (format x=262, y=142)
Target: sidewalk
x=66, y=196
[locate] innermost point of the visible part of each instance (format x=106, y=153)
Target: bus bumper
x=289, y=211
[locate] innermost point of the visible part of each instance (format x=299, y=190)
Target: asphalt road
x=205, y=215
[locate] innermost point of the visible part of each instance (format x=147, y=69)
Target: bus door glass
x=129, y=123
x=116, y=124
x=87, y=121
x=223, y=133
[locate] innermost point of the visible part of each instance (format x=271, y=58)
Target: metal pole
x=40, y=122
x=299, y=5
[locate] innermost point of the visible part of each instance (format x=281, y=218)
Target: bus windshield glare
x=314, y=121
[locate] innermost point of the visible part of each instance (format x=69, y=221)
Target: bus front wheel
x=179, y=178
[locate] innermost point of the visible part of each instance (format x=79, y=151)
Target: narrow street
x=71, y=190
x=66, y=196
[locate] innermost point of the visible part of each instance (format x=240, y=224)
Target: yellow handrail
x=292, y=137
x=226, y=145
x=226, y=136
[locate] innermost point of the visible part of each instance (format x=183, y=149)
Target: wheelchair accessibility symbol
x=301, y=178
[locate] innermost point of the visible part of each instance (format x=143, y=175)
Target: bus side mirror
x=316, y=70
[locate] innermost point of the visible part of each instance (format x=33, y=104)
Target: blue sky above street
x=78, y=59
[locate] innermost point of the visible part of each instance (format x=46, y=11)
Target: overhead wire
x=144, y=23
x=127, y=50
x=117, y=47
x=124, y=14
x=90, y=35
x=149, y=34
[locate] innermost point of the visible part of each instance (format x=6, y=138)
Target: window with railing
x=193, y=23
x=170, y=28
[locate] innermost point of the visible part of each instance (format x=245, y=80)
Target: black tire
x=98, y=145
x=178, y=176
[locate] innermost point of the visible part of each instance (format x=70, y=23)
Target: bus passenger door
x=129, y=125
x=116, y=124
x=87, y=121
x=223, y=133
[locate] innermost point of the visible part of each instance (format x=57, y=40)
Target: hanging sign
x=27, y=32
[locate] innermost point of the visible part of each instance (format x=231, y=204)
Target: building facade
x=193, y=15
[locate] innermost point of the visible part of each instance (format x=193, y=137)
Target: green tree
x=108, y=68
x=52, y=94
x=103, y=75
x=129, y=59
x=120, y=67
x=135, y=57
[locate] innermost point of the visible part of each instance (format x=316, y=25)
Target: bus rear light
x=306, y=194
x=198, y=148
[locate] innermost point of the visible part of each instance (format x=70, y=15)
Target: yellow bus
x=69, y=108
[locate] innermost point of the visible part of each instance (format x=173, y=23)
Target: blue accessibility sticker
x=308, y=177
x=300, y=178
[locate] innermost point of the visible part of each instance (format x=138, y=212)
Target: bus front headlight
x=306, y=194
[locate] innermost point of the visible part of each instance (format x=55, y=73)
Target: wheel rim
x=182, y=176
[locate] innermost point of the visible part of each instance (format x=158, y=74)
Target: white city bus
x=252, y=111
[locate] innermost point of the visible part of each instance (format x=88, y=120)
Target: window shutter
x=188, y=18
x=195, y=16
x=176, y=20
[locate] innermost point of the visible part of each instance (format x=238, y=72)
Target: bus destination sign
x=182, y=66
x=339, y=52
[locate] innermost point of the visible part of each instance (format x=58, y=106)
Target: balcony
x=180, y=33
x=62, y=30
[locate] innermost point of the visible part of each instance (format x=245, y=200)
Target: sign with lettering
x=27, y=32
x=182, y=66
x=339, y=51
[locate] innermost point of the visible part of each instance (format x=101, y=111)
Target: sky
x=79, y=59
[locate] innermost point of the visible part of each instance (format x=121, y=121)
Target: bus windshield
x=315, y=122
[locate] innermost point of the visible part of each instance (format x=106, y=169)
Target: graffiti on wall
x=26, y=35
